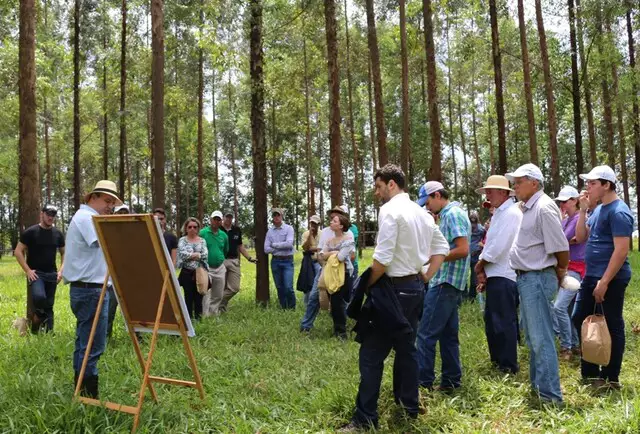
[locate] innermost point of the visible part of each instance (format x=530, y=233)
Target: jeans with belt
x=84, y=304
x=43, y=295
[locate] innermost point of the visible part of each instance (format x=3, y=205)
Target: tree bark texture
x=77, y=192
x=497, y=77
x=406, y=114
x=591, y=129
x=372, y=39
x=531, y=122
x=157, y=100
x=435, y=171
x=123, y=100
x=334, y=102
x=607, y=114
x=575, y=89
x=307, y=138
x=372, y=128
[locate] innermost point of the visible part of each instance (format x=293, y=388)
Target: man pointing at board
x=85, y=270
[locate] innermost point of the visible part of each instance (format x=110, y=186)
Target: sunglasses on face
x=192, y=227
x=51, y=213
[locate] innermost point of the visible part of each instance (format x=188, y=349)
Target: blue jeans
x=612, y=306
x=84, y=303
x=537, y=290
x=440, y=323
x=374, y=350
x=313, y=302
x=562, y=324
x=282, y=271
x=501, y=323
x=43, y=295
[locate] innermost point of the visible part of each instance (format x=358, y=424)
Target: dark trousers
x=43, y=295
x=192, y=298
x=339, y=301
x=501, y=322
x=374, y=350
x=612, y=306
x=113, y=306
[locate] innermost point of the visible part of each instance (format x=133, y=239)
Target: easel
x=157, y=325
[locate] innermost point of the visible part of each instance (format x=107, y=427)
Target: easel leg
x=138, y=351
x=152, y=349
x=96, y=318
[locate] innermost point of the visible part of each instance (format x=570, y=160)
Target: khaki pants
x=232, y=283
x=213, y=297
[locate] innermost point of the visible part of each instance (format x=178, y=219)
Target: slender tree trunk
x=531, y=122
x=46, y=149
x=575, y=89
x=354, y=147
x=334, y=102
x=450, y=107
x=77, y=192
x=463, y=145
x=606, y=96
x=215, y=133
x=232, y=143
x=476, y=150
x=435, y=172
x=374, y=54
x=406, y=114
x=123, y=99
x=258, y=151
x=176, y=140
x=157, y=99
x=200, y=106
x=105, y=119
x=622, y=142
x=372, y=130
x=497, y=77
x=307, y=139
x=491, y=151
x=587, y=87
x=636, y=109
x=274, y=156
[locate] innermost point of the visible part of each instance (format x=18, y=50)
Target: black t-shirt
x=42, y=245
x=235, y=241
x=171, y=241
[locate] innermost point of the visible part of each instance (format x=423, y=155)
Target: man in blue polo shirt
x=607, y=233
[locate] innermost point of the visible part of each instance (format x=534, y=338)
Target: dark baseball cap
x=50, y=209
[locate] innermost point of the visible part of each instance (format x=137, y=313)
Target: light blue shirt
x=83, y=259
x=279, y=240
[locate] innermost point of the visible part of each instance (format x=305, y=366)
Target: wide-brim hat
x=497, y=182
x=105, y=187
x=337, y=209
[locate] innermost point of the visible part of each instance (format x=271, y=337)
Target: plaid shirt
x=454, y=223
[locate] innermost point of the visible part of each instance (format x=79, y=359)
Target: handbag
x=596, y=339
x=203, y=283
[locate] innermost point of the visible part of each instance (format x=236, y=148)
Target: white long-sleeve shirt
x=505, y=225
x=407, y=237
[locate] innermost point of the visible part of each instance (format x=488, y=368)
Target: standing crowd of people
x=429, y=255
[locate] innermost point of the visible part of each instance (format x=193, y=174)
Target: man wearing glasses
x=41, y=242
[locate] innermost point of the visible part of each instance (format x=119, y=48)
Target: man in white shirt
x=497, y=277
x=85, y=270
x=408, y=238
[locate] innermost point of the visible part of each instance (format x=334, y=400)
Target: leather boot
x=91, y=386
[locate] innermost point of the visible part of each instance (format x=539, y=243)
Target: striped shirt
x=454, y=223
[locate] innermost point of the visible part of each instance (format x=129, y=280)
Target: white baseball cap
x=428, y=189
x=529, y=169
x=216, y=214
x=600, y=172
x=567, y=192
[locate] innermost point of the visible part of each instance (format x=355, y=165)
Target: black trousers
x=501, y=322
x=192, y=298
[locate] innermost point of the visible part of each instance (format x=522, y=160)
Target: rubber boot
x=91, y=386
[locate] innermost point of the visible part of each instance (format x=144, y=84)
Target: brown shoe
x=565, y=354
x=576, y=351
x=614, y=385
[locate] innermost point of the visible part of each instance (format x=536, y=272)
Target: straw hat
x=105, y=187
x=498, y=182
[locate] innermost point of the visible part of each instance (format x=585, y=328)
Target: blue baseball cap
x=428, y=189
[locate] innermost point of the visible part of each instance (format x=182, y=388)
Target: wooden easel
x=145, y=364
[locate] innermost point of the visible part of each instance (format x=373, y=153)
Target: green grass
x=261, y=375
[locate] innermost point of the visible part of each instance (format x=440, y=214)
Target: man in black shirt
x=169, y=239
x=41, y=242
x=232, y=261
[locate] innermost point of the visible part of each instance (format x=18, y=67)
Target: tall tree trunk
x=497, y=77
x=259, y=151
x=622, y=142
x=476, y=150
x=606, y=96
x=46, y=119
x=77, y=192
x=232, y=142
x=374, y=54
x=551, y=105
x=492, y=167
x=354, y=147
x=200, y=105
x=334, y=102
x=105, y=118
x=215, y=133
x=307, y=138
x=463, y=145
x=176, y=141
x=406, y=115
x=575, y=89
x=587, y=87
x=636, y=109
x=531, y=122
x=435, y=172
x=123, y=99
x=372, y=129
x=273, y=163
x=157, y=99
x=450, y=107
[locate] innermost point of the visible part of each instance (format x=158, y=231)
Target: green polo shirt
x=217, y=244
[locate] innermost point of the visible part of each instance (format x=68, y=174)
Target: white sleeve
x=387, y=239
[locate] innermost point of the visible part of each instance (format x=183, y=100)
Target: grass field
x=261, y=375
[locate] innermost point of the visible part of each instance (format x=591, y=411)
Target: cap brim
x=422, y=200
x=588, y=177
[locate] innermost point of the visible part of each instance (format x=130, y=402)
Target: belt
x=521, y=272
x=85, y=285
x=409, y=278
x=283, y=258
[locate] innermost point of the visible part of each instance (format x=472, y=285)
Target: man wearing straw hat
x=85, y=270
x=498, y=278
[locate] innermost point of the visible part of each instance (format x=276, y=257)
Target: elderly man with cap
x=563, y=306
x=498, y=278
x=279, y=243
x=85, y=270
x=607, y=233
x=217, y=247
x=232, y=260
x=539, y=256
x=440, y=322
x=310, y=247
x=313, y=301
x=41, y=242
